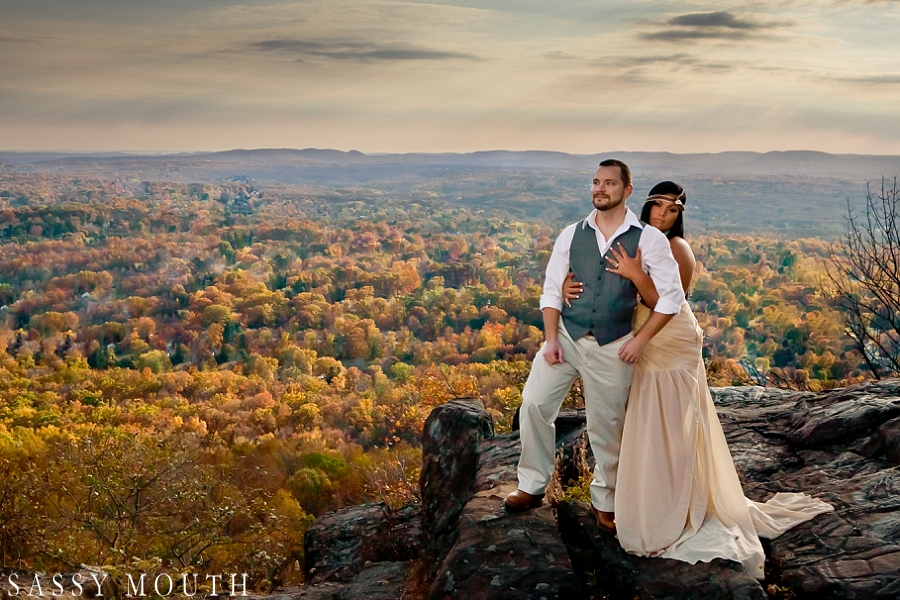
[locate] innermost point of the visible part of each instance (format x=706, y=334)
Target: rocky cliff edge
x=842, y=446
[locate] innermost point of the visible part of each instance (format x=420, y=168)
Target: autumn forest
x=191, y=372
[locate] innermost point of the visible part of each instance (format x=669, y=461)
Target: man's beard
x=602, y=203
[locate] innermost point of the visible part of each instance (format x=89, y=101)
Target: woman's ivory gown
x=677, y=493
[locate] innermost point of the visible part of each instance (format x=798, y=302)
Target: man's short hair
x=623, y=168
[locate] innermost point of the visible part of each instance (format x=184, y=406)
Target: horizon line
x=152, y=153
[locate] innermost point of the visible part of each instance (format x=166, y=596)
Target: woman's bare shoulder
x=680, y=248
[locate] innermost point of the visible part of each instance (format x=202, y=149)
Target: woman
x=678, y=494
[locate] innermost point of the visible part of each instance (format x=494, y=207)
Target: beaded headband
x=679, y=201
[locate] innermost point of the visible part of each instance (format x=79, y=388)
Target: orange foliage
x=284, y=349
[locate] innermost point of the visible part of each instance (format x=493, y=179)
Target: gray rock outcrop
x=338, y=545
x=609, y=572
x=842, y=446
x=453, y=433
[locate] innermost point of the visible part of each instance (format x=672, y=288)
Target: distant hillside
x=804, y=193
x=269, y=163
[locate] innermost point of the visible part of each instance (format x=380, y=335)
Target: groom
x=593, y=339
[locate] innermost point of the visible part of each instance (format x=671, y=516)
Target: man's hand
x=632, y=350
x=553, y=352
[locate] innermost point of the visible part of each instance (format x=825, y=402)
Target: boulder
x=453, y=432
x=607, y=571
x=380, y=581
x=839, y=446
x=885, y=442
x=320, y=591
x=338, y=545
x=377, y=581
x=843, y=415
x=506, y=555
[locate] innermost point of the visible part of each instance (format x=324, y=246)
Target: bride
x=678, y=494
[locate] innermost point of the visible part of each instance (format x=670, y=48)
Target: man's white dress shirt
x=656, y=260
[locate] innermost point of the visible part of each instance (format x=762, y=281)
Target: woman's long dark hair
x=666, y=187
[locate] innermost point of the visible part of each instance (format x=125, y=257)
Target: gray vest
x=607, y=304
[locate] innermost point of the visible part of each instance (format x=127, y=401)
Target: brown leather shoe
x=518, y=501
x=606, y=521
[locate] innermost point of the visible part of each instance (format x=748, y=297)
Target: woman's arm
x=631, y=268
x=627, y=267
x=632, y=350
x=684, y=256
x=571, y=289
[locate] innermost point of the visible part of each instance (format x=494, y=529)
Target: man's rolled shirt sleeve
x=656, y=255
x=557, y=269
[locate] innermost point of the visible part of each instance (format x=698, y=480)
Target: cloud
x=713, y=25
x=680, y=59
x=559, y=54
x=714, y=19
x=354, y=51
x=675, y=35
x=5, y=39
x=885, y=79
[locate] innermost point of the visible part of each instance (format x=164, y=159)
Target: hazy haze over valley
x=804, y=193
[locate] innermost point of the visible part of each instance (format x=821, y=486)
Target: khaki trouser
x=606, y=382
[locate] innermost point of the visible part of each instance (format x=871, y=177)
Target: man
x=592, y=338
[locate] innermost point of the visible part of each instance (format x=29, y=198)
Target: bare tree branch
x=864, y=279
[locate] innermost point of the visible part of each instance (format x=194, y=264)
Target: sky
x=578, y=76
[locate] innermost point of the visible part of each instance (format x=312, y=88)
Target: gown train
x=678, y=494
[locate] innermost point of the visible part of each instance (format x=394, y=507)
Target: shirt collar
x=631, y=220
